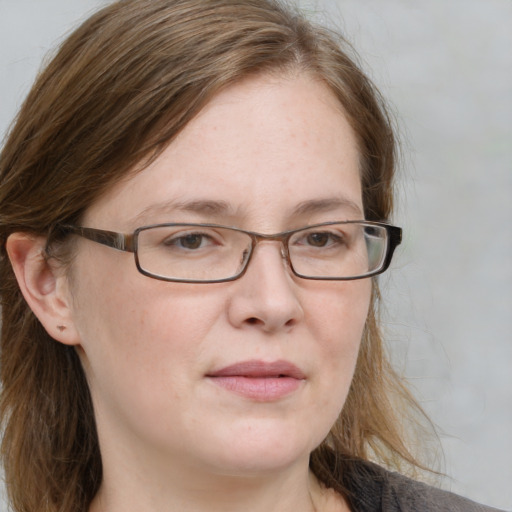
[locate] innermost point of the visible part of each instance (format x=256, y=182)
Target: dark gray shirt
x=374, y=489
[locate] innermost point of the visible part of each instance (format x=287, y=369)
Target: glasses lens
x=343, y=250
x=192, y=252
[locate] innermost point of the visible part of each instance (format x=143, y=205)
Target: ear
x=44, y=285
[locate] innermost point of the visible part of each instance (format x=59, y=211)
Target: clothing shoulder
x=406, y=495
x=375, y=489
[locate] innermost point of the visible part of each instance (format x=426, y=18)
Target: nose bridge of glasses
x=282, y=239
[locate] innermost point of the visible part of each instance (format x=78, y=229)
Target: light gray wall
x=446, y=65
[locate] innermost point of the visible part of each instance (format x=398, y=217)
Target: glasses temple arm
x=112, y=239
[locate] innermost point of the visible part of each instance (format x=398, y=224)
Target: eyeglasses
x=210, y=253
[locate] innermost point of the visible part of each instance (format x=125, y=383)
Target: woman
x=194, y=202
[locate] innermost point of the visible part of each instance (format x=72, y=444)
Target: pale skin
x=269, y=154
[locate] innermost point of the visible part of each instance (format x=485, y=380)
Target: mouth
x=258, y=380
x=260, y=369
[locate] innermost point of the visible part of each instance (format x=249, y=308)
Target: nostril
x=253, y=320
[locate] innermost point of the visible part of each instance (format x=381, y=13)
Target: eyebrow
x=326, y=205
x=214, y=208
x=200, y=206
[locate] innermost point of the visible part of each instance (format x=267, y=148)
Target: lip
x=259, y=380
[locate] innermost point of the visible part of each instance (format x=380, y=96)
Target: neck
x=291, y=490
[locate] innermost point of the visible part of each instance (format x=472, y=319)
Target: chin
x=263, y=450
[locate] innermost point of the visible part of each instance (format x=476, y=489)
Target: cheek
x=144, y=351
x=136, y=326
x=340, y=314
x=339, y=320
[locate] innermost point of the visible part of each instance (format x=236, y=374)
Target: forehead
x=267, y=146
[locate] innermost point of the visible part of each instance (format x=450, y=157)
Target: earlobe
x=44, y=286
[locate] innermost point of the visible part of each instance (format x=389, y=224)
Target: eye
x=318, y=239
x=190, y=241
x=321, y=239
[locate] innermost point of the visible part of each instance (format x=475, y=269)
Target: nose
x=265, y=297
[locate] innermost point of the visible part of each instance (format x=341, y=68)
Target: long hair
x=117, y=92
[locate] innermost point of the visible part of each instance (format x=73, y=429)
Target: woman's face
x=184, y=374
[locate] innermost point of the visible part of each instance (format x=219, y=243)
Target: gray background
x=446, y=67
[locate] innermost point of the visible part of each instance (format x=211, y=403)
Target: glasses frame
x=128, y=242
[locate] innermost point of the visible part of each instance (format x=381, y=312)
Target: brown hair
x=117, y=92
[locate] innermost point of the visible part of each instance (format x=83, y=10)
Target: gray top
x=374, y=489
